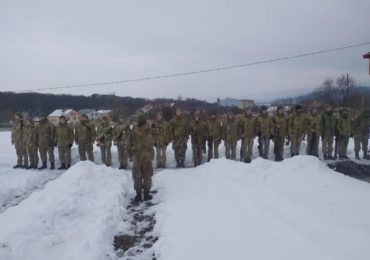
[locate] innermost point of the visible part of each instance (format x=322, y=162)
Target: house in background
x=71, y=115
x=233, y=102
x=107, y=113
x=92, y=114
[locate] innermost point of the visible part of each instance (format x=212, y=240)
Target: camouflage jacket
x=104, y=133
x=314, y=124
x=247, y=126
x=46, y=133
x=17, y=131
x=30, y=135
x=141, y=143
x=328, y=124
x=344, y=126
x=85, y=133
x=297, y=124
x=161, y=133
x=214, y=129
x=179, y=129
x=198, y=132
x=230, y=131
x=361, y=125
x=264, y=125
x=64, y=134
x=280, y=125
x=121, y=134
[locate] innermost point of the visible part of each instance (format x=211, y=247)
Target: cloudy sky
x=47, y=43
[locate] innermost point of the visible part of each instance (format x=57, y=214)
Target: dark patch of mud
x=352, y=169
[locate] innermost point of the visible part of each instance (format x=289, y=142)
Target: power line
x=202, y=71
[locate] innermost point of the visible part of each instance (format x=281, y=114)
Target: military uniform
x=180, y=136
x=328, y=133
x=264, y=130
x=17, y=140
x=121, y=138
x=64, y=140
x=141, y=150
x=280, y=130
x=85, y=137
x=198, y=134
x=161, y=134
x=230, y=137
x=46, y=133
x=314, y=127
x=344, y=131
x=214, y=134
x=247, y=126
x=30, y=143
x=296, y=130
x=361, y=134
x=104, y=141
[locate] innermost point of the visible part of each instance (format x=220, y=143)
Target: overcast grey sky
x=47, y=43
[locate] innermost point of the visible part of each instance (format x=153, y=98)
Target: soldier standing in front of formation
x=30, y=143
x=141, y=151
x=247, y=128
x=328, y=132
x=121, y=138
x=214, y=134
x=104, y=140
x=230, y=136
x=46, y=132
x=85, y=137
x=296, y=130
x=314, y=126
x=180, y=136
x=280, y=125
x=197, y=133
x=161, y=134
x=344, y=132
x=264, y=131
x=17, y=140
x=361, y=134
x=64, y=139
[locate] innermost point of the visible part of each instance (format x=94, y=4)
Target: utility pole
x=367, y=56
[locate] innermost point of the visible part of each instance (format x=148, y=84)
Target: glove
x=271, y=136
x=259, y=134
x=115, y=142
x=70, y=145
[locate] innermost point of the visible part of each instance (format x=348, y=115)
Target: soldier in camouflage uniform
x=161, y=134
x=280, y=129
x=296, y=129
x=361, y=134
x=30, y=143
x=230, y=136
x=64, y=139
x=247, y=128
x=17, y=141
x=344, y=131
x=46, y=141
x=85, y=137
x=121, y=137
x=214, y=134
x=141, y=151
x=264, y=128
x=104, y=140
x=180, y=136
x=328, y=132
x=314, y=128
x=198, y=132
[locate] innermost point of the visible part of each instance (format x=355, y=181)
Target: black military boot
x=147, y=196
x=138, y=197
x=52, y=166
x=62, y=167
x=182, y=164
x=17, y=166
x=247, y=160
x=43, y=166
x=29, y=167
x=178, y=164
x=357, y=156
x=68, y=166
x=122, y=167
x=366, y=156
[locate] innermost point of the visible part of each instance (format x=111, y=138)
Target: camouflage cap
x=19, y=114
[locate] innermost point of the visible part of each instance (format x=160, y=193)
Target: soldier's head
x=328, y=108
x=298, y=109
x=264, y=110
x=230, y=115
x=314, y=110
x=83, y=118
x=18, y=115
x=344, y=111
x=159, y=115
x=178, y=112
x=29, y=121
x=213, y=116
x=62, y=119
x=121, y=119
x=43, y=118
x=280, y=110
x=141, y=119
x=197, y=116
x=248, y=111
x=105, y=120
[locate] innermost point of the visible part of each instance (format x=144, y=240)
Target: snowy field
x=296, y=209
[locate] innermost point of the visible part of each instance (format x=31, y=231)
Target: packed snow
x=296, y=209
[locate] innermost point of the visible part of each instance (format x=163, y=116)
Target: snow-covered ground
x=296, y=209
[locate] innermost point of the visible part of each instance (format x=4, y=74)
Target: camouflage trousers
x=86, y=148
x=197, y=154
x=179, y=146
x=247, y=146
x=142, y=172
x=21, y=154
x=213, y=148
x=295, y=145
x=122, y=154
x=33, y=157
x=342, y=146
x=327, y=145
x=106, y=153
x=264, y=146
x=313, y=145
x=361, y=140
x=64, y=154
x=230, y=150
x=160, y=151
x=279, y=142
x=46, y=151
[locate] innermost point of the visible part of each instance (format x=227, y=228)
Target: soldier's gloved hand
x=70, y=145
x=271, y=136
x=351, y=135
x=115, y=142
x=55, y=144
x=259, y=134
